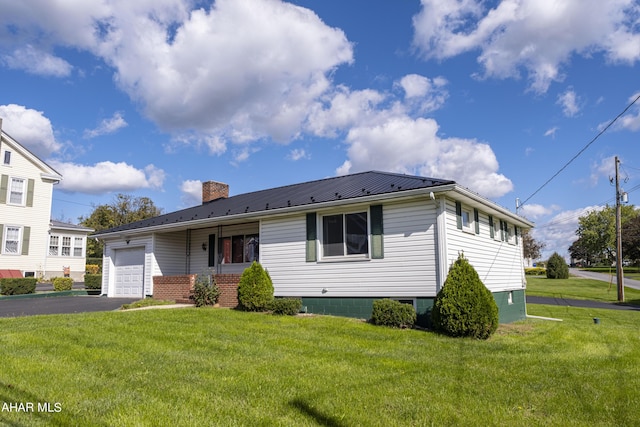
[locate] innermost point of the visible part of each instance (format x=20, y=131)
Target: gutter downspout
x=441, y=236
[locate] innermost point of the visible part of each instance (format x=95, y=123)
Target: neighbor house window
x=238, y=249
x=7, y=157
x=345, y=234
x=17, y=191
x=11, y=243
x=54, y=242
x=66, y=246
x=77, y=246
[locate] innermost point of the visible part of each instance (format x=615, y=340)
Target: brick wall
x=176, y=288
x=212, y=190
x=228, y=284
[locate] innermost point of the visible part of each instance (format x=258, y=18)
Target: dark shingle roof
x=346, y=187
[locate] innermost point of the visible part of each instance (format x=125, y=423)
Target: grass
x=223, y=367
x=579, y=288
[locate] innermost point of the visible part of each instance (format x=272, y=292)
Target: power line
x=582, y=151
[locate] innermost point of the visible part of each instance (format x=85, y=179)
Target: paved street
x=635, y=284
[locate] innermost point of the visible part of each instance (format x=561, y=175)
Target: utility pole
x=619, y=275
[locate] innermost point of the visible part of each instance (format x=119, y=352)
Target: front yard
x=222, y=367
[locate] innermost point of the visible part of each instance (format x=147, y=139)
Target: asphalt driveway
x=16, y=307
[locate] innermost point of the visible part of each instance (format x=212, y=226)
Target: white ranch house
x=337, y=243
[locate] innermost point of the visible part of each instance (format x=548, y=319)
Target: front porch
x=180, y=288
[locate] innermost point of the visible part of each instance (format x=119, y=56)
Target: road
x=635, y=284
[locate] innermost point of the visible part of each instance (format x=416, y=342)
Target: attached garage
x=129, y=272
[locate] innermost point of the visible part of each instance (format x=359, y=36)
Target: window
x=345, y=234
x=66, y=246
x=16, y=192
x=7, y=157
x=77, y=246
x=11, y=244
x=54, y=241
x=464, y=220
x=238, y=249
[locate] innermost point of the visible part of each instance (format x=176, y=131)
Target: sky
x=153, y=97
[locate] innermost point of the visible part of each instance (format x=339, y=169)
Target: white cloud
x=38, y=62
x=238, y=70
x=298, y=154
x=569, y=102
x=537, y=36
x=30, y=128
x=107, y=126
x=535, y=211
x=104, y=177
x=406, y=145
x=551, y=132
x=631, y=121
x=191, y=192
x=428, y=94
x=560, y=231
x=606, y=167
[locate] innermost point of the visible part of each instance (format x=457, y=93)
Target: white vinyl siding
x=170, y=253
x=498, y=263
x=407, y=269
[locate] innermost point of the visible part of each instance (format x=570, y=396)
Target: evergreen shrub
x=62, y=284
x=557, y=267
x=18, y=286
x=464, y=307
x=255, y=290
x=388, y=312
x=286, y=306
x=93, y=281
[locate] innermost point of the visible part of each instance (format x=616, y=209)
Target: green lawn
x=185, y=367
x=579, y=288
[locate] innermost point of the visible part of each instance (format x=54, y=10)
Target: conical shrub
x=557, y=267
x=464, y=307
x=255, y=290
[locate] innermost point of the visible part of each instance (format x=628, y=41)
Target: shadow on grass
x=319, y=417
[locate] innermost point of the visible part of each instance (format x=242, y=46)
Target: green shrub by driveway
x=18, y=286
x=388, y=312
x=62, y=284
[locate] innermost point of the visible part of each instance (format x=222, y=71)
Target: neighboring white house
x=26, y=231
x=338, y=243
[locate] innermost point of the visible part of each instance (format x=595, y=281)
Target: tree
x=124, y=209
x=597, y=231
x=631, y=239
x=579, y=252
x=531, y=247
x=557, y=267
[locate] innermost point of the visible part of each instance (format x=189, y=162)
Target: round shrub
x=286, y=306
x=388, y=312
x=557, y=267
x=205, y=290
x=464, y=307
x=62, y=283
x=255, y=290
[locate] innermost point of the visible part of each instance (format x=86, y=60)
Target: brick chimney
x=212, y=190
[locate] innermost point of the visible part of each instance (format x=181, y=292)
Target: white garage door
x=129, y=265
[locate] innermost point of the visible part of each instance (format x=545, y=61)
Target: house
x=338, y=243
x=27, y=234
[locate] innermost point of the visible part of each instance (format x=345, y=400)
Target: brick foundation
x=179, y=288
x=176, y=288
x=228, y=285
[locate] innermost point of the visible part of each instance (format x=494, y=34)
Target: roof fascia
x=48, y=171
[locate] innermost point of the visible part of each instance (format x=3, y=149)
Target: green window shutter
x=377, y=232
x=26, y=234
x=4, y=184
x=476, y=220
x=30, y=185
x=1, y=241
x=492, y=232
x=212, y=250
x=502, y=224
x=515, y=230
x=459, y=215
x=312, y=235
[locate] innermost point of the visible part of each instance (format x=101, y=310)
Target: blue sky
x=151, y=98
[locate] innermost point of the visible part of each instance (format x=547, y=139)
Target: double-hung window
x=17, y=191
x=345, y=234
x=11, y=243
